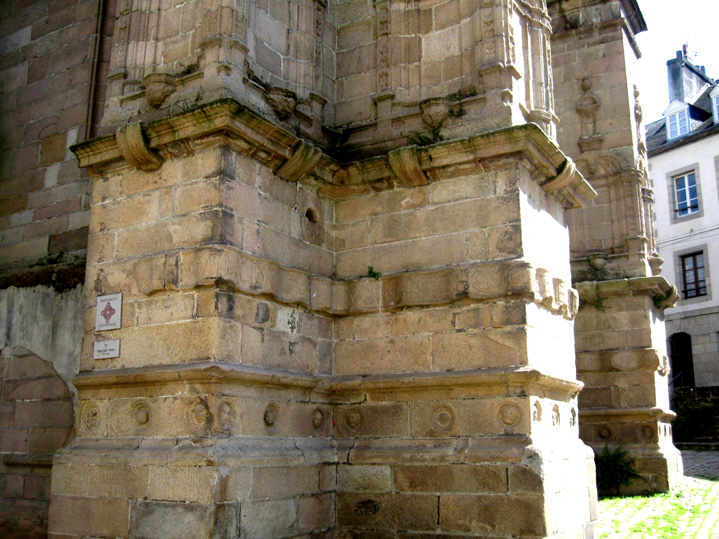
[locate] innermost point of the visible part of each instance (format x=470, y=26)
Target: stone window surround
x=671, y=176
x=679, y=276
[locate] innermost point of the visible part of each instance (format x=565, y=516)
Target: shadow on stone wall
x=36, y=419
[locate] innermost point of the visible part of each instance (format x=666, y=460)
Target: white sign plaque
x=108, y=313
x=106, y=349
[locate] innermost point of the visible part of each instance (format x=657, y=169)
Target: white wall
x=688, y=233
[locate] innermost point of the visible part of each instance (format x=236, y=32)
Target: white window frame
x=684, y=203
x=671, y=178
x=678, y=124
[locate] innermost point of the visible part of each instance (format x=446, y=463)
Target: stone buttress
x=619, y=331
x=363, y=332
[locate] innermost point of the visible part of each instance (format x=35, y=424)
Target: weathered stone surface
x=349, y=289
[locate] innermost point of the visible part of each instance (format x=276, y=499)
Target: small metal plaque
x=106, y=349
x=108, y=314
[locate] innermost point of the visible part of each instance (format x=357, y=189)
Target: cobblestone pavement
x=689, y=512
x=703, y=464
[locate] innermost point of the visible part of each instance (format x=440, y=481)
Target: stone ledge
x=332, y=387
x=30, y=460
x=627, y=413
x=657, y=287
x=226, y=121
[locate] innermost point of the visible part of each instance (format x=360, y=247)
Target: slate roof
x=701, y=125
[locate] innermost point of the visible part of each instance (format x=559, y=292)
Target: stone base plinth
x=621, y=359
x=224, y=451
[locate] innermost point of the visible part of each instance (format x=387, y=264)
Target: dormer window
x=678, y=124
x=714, y=96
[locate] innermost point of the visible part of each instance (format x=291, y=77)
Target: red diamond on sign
x=108, y=312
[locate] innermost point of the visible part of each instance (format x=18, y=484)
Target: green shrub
x=615, y=468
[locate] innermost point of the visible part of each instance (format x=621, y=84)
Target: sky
x=671, y=24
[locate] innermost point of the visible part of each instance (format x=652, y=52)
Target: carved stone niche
x=587, y=107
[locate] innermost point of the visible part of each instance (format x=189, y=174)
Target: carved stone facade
x=342, y=235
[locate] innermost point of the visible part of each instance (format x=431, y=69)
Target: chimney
x=686, y=81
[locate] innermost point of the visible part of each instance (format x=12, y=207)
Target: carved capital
x=133, y=148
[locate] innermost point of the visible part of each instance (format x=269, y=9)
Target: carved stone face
x=199, y=414
x=509, y=415
x=272, y=412
x=142, y=415
x=224, y=415
x=318, y=418
x=353, y=418
x=92, y=418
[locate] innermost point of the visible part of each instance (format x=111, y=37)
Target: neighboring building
x=683, y=149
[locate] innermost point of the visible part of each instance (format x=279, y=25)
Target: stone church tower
x=330, y=254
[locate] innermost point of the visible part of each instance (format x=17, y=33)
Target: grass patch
x=686, y=513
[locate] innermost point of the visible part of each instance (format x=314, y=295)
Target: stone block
x=392, y=354
x=81, y=516
x=165, y=309
x=479, y=349
x=270, y=518
x=188, y=231
x=358, y=478
x=283, y=482
x=387, y=511
x=493, y=514
x=380, y=204
x=183, y=483
x=160, y=520
x=476, y=417
x=524, y=480
x=134, y=210
x=316, y=513
x=454, y=478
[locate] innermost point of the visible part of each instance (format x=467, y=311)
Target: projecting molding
x=226, y=121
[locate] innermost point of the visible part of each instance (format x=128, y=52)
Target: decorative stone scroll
x=302, y=161
x=133, y=148
x=405, y=165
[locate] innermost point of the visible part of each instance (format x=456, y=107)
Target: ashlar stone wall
x=271, y=384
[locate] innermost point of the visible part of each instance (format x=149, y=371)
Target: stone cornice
x=331, y=388
x=657, y=287
x=228, y=122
